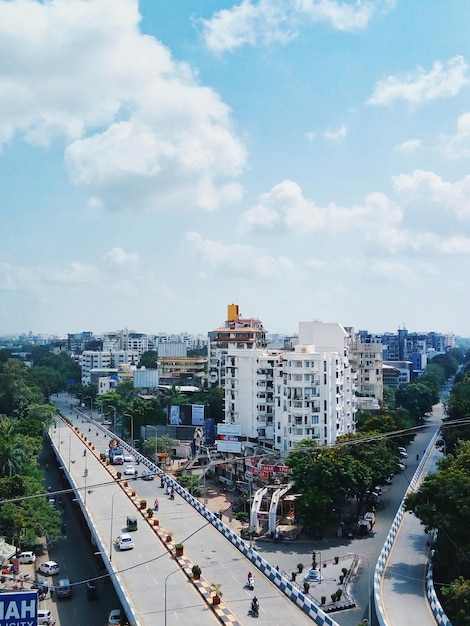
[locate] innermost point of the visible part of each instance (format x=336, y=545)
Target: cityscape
x=234, y=340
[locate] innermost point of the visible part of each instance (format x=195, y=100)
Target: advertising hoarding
x=19, y=608
x=188, y=415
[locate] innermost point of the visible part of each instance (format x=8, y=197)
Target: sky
x=304, y=159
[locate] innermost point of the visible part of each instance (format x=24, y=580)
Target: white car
x=114, y=617
x=49, y=568
x=128, y=458
x=125, y=542
x=45, y=618
x=27, y=557
x=129, y=471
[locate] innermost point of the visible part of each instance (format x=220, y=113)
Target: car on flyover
x=129, y=471
x=125, y=542
x=148, y=475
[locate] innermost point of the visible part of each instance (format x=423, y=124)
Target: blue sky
x=305, y=159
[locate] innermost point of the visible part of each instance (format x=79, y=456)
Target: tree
x=457, y=601
x=149, y=359
x=418, y=399
x=443, y=503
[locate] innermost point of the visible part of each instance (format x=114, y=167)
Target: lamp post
x=85, y=474
x=250, y=487
x=114, y=421
x=165, y=593
x=156, y=443
x=111, y=527
x=131, y=418
x=369, y=607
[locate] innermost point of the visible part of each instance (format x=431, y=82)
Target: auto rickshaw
x=131, y=523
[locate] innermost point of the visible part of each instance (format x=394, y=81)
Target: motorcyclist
x=255, y=605
x=251, y=580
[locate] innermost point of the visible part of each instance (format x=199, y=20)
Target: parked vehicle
x=27, y=557
x=41, y=585
x=63, y=588
x=125, y=542
x=115, y=617
x=45, y=618
x=49, y=568
x=370, y=517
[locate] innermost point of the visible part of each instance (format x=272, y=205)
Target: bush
x=300, y=567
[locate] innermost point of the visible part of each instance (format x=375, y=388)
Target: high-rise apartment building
x=237, y=333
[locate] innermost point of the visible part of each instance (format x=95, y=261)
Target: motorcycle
x=254, y=609
x=250, y=583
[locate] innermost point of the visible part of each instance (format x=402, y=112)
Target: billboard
x=188, y=414
x=229, y=438
x=19, y=608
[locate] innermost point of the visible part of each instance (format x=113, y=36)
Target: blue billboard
x=19, y=608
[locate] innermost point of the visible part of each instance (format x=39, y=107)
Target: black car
x=91, y=590
x=63, y=589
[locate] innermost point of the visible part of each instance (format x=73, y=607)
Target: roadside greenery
x=23, y=421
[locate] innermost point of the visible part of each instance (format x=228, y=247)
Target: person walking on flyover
x=155, y=505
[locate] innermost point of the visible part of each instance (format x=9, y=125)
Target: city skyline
x=304, y=160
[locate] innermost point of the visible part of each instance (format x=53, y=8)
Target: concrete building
x=367, y=368
x=238, y=333
x=280, y=397
x=106, y=362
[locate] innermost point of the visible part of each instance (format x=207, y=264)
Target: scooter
x=250, y=583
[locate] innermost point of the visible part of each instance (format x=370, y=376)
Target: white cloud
x=409, y=146
x=418, y=87
x=237, y=260
x=117, y=258
x=36, y=277
x=284, y=207
x=315, y=264
x=336, y=135
x=458, y=145
x=140, y=131
x=421, y=188
x=279, y=21
x=310, y=135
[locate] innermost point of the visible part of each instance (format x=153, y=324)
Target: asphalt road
x=74, y=553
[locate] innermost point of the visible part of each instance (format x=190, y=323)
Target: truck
x=116, y=452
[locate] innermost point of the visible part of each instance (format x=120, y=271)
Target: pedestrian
x=84, y=452
x=155, y=504
x=277, y=568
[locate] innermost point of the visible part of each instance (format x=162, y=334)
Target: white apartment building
x=250, y=385
x=366, y=361
x=281, y=397
x=238, y=333
x=106, y=360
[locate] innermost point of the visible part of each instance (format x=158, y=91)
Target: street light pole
x=111, y=528
x=165, y=593
x=131, y=417
x=369, y=607
x=114, y=422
